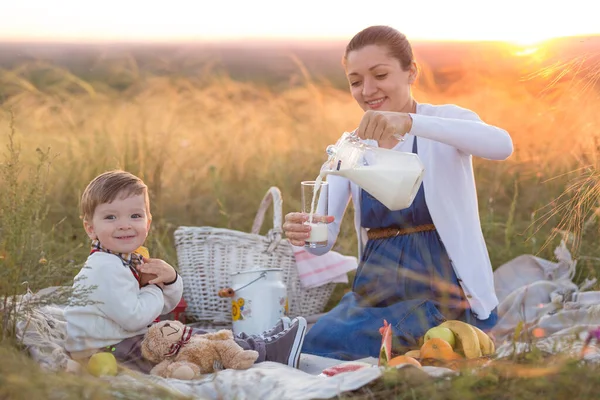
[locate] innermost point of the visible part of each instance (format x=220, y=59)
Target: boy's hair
x=107, y=186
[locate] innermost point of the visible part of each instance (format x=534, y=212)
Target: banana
x=466, y=336
x=413, y=353
x=486, y=344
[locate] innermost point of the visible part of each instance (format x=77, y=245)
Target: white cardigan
x=448, y=138
x=121, y=308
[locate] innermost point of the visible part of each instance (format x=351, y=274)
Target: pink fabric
x=316, y=270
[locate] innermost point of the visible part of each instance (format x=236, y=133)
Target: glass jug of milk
x=392, y=177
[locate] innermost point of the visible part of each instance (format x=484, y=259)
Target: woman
x=429, y=262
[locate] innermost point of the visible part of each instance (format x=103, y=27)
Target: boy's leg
x=129, y=354
x=286, y=346
x=246, y=342
x=283, y=347
x=281, y=325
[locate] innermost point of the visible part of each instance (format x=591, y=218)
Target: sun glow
x=518, y=22
x=527, y=51
x=530, y=41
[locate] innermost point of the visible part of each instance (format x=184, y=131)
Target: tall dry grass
x=210, y=146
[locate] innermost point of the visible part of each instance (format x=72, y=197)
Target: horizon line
x=253, y=40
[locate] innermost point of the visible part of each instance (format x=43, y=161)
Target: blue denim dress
x=404, y=280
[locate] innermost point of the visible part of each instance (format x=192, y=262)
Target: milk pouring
x=315, y=203
x=392, y=177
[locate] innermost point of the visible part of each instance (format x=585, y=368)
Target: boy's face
x=121, y=226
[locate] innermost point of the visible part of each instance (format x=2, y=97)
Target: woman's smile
x=376, y=104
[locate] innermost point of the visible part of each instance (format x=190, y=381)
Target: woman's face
x=377, y=80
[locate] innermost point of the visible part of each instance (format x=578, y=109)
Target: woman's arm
x=464, y=130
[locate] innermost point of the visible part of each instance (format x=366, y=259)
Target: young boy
x=128, y=292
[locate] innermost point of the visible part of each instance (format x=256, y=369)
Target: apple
x=102, y=363
x=441, y=333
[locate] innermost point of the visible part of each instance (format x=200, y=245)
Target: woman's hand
x=295, y=229
x=384, y=125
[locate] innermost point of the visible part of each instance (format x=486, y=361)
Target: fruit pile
x=449, y=341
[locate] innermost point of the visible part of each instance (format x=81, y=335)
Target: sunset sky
x=523, y=21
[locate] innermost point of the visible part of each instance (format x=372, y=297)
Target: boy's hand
x=146, y=278
x=163, y=271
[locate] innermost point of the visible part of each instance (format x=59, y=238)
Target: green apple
x=102, y=364
x=441, y=333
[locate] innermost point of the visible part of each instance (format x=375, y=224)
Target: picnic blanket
x=43, y=331
x=537, y=298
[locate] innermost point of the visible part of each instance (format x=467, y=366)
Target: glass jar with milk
x=392, y=177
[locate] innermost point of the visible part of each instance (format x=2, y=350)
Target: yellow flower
x=235, y=311
x=43, y=261
x=241, y=302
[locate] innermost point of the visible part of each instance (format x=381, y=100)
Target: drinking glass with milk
x=315, y=199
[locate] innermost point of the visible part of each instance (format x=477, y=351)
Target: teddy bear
x=181, y=354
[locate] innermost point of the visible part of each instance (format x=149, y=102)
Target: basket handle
x=273, y=196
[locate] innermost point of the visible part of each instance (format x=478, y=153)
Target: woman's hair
x=398, y=45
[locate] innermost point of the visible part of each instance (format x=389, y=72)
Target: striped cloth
x=315, y=271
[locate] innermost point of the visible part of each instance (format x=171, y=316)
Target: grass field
x=209, y=144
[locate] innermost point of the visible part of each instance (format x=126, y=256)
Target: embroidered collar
x=128, y=259
x=185, y=338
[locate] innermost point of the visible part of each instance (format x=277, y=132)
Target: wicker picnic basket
x=207, y=256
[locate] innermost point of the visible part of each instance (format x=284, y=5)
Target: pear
x=101, y=364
